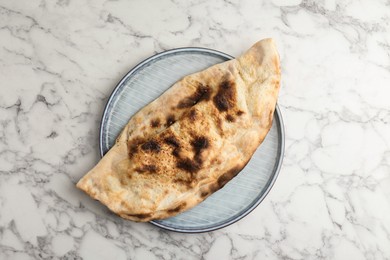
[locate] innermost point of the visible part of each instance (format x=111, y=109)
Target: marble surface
x=59, y=61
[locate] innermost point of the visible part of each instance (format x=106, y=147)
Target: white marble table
x=60, y=61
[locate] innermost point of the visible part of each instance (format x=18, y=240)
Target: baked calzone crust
x=191, y=141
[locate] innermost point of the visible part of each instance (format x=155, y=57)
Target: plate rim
x=281, y=133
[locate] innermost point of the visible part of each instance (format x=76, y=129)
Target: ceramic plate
x=150, y=79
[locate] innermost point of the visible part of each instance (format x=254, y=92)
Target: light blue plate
x=149, y=80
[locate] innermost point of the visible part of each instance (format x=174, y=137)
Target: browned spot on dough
x=204, y=194
x=132, y=145
x=199, y=143
x=123, y=181
x=140, y=216
x=225, y=98
x=201, y=93
x=187, y=183
x=151, y=145
x=188, y=165
x=214, y=187
x=239, y=112
x=192, y=115
x=176, y=152
x=211, y=189
x=147, y=168
x=128, y=176
x=178, y=208
x=229, y=118
x=172, y=141
x=219, y=124
x=170, y=120
x=155, y=123
x=227, y=176
x=270, y=116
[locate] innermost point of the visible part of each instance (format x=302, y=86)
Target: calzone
x=189, y=142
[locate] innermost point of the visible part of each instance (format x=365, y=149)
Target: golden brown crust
x=169, y=158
